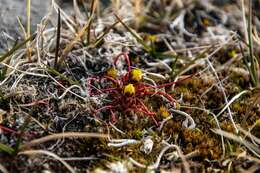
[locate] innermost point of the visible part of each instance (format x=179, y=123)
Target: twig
x=63, y=135
x=118, y=130
x=122, y=142
x=79, y=158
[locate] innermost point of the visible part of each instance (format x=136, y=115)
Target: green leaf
x=62, y=76
x=6, y=149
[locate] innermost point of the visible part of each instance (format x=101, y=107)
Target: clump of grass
x=16, y=47
x=252, y=62
x=73, y=75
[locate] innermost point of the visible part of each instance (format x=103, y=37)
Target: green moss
x=227, y=126
x=207, y=145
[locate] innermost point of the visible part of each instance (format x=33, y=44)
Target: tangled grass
x=179, y=64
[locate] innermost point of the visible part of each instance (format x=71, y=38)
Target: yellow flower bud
x=152, y=38
x=136, y=75
x=205, y=21
x=112, y=72
x=232, y=53
x=129, y=89
x=164, y=112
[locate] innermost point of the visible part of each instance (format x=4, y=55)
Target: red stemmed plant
x=128, y=91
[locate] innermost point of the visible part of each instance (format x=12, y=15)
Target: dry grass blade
x=24, y=72
x=16, y=47
x=5, y=68
x=79, y=35
x=187, y=66
x=248, y=157
x=130, y=78
x=3, y=169
x=22, y=27
x=28, y=27
x=247, y=133
x=250, y=41
x=99, y=39
x=89, y=32
x=63, y=135
x=238, y=139
x=231, y=101
x=62, y=76
x=134, y=34
x=48, y=153
x=28, y=13
x=93, y=9
x=244, y=20
x=57, y=41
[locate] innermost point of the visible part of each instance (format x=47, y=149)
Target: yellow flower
x=152, y=38
x=129, y=89
x=232, y=53
x=164, y=112
x=112, y=72
x=136, y=75
x=205, y=21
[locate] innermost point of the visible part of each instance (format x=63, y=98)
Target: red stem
x=143, y=105
x=151, y=114
x=104, y=107
x=6, y=129
x=9, y=130
x=109, y=89
x=88, y=82
x=126, y=60
x=113, y=116
x=169, y=97
x=113, y=80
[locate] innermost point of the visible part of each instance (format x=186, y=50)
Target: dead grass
x=46, y=103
